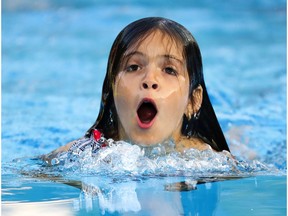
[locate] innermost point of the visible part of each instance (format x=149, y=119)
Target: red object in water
x=96, y=134
x=104, y=145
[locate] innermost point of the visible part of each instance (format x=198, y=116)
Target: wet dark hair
x=205, y=125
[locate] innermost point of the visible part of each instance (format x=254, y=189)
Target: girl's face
x=151, y=91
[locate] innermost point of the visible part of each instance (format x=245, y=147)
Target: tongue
x=146, y=112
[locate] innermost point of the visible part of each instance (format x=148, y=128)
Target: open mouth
x=146, y=113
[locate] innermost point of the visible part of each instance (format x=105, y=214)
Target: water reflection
x=143, y=196
x=148, y=197
x=109, y=196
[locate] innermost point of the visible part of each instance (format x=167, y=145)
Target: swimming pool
x=54, y=57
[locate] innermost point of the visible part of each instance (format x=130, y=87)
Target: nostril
x=154, y=86
x=145, y=86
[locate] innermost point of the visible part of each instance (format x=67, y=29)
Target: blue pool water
x=54, y=56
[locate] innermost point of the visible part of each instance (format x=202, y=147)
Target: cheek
x=119, y=98
x=184, y=84
x=180, y=94
x=124, y=85
x=176, y=102
x=122, y=93
x=181, y=98
x=184, y=93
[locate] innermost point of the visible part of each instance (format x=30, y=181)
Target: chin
x=147, y=140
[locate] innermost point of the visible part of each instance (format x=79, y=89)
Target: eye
x=170, y=70
x=133, y=67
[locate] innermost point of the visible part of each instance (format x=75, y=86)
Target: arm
x=48, y=157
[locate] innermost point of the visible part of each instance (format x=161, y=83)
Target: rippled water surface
x=54, y=56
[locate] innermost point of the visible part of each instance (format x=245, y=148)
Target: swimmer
x=153, y=92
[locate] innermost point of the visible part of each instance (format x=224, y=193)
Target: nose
x=150, y=80
x=147, y=85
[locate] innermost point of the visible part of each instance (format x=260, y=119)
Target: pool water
x=54, y=57
x=262, y=195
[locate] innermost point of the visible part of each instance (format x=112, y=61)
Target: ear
x=197, y=98
x=189, y=109
x=195, y=102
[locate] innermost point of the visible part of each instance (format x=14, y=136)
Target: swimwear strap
x=96, y=141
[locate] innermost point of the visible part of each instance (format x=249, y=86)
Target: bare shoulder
x=48, y=157
x=196, y=143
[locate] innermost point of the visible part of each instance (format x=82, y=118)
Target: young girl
x=154, y=92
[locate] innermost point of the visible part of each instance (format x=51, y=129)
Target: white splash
x=125, y=158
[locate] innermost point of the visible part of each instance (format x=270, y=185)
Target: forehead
x=157, y=41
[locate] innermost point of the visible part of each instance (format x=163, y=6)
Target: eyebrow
x=167, y=56
x=173, y=57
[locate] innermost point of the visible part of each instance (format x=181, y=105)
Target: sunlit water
x=54, y=57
